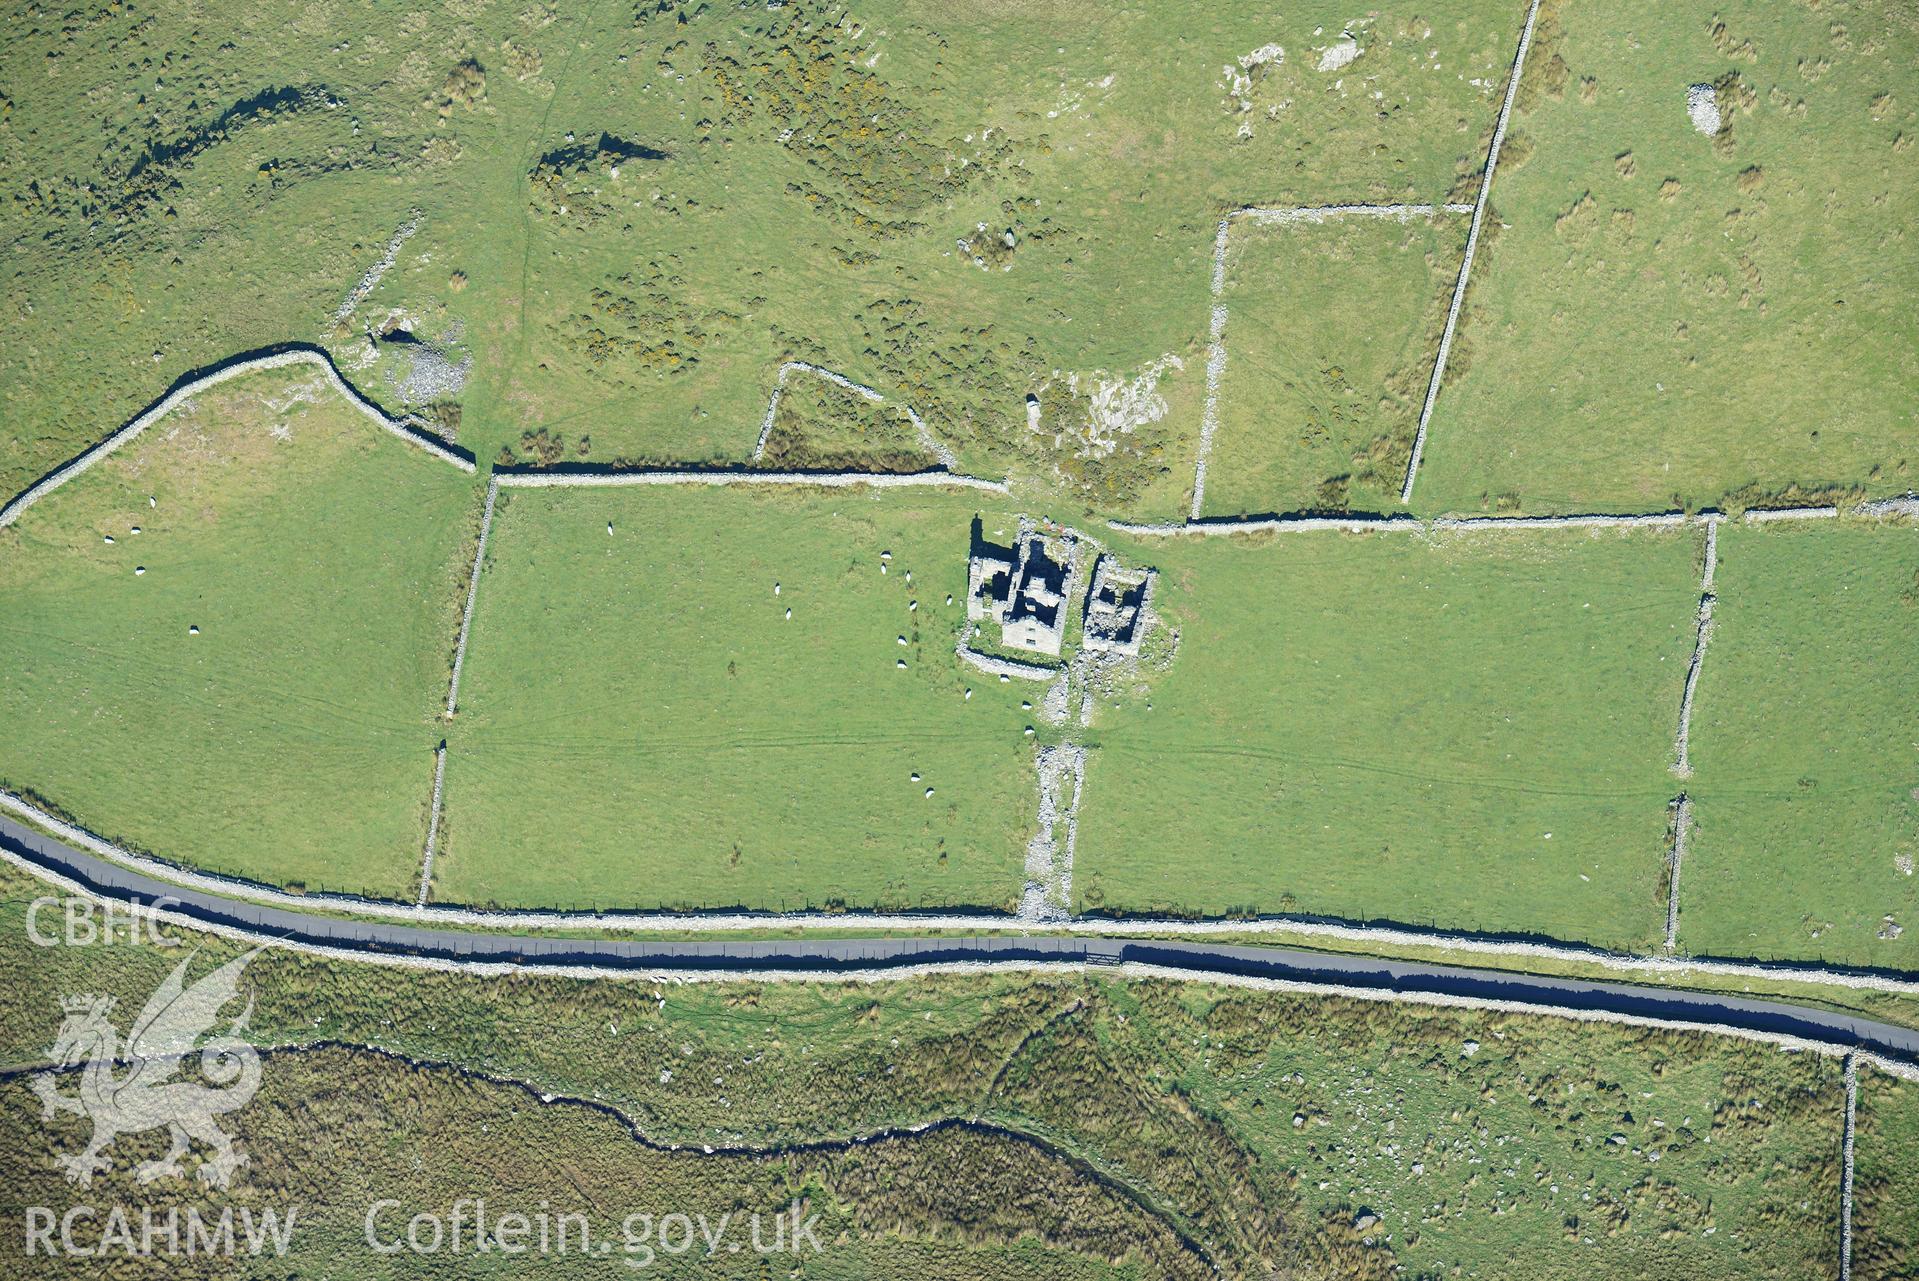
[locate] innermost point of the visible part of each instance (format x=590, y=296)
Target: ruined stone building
x=1023, y=589
x=1116, y=607
x=1028, y=588
x=989, y=583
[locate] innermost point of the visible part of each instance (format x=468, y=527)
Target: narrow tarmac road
x=814, y=958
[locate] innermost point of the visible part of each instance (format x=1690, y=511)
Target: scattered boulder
x=1340, y=53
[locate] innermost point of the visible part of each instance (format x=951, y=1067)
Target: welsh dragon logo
x=132, y=1087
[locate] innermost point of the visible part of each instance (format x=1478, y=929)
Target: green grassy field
x=1329, y=339
x=641, y=725
x=1487, y=1145
x=1473, y=733
x=1806, y=792
x=625, y=235
x=1660, y=317
x=627, y=218
x=1885, y=1212
x=291, y=738
x=620, y=230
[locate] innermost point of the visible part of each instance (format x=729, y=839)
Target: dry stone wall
x=1472, y=247
x=227, y=373
x=825, y=480
x=927, y=440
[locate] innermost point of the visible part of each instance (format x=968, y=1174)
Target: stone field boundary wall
x=1900, y=508
x=371, y=279
x=874, y=951
x=1906, y=507
x=718, y=476
x=1216, y=337
x=472, y=595
x=926, y=438
x=1472, y=247
x=674, y=966
x=1007, y=667
x=1216, y=344
x=227, y=372
x=887, y=961
x=433, y=822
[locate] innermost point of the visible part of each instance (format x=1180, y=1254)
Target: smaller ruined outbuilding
x=989, y=582
x=1116, y=603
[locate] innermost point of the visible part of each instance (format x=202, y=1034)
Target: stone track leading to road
x=1350, y=932
x=1363, y=933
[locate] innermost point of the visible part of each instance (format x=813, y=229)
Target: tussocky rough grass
x=987, y=209
x=1186, y=1093
x=1662, y=318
